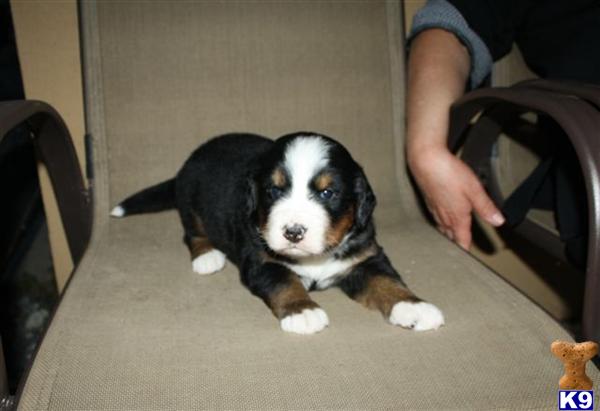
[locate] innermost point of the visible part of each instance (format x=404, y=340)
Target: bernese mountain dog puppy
x=294, y=214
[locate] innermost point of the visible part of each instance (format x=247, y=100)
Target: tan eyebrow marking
x=278, y=177
x=323, y=181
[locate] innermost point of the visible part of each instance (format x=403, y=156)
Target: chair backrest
x=162, y=77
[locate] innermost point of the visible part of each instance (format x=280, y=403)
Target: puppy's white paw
x=309, y=321
x=209, y=262
x=419, y=316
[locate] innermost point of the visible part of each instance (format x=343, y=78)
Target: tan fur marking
x=370, y=251
x=367, y=252
x=338, y=230
x=358, y=258
x=382, y=293
x=199, y=244
x=266, y=258
x=199, y=226
x=278, y=177
x=290, y=299
x=323, y=181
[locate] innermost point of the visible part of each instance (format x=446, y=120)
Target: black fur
x=214, y=185
x=224, y=192
x=156, y=198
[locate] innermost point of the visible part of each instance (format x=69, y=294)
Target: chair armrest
x=574, y=107
x=53, y=146
x=55, y=149
x=587, y=92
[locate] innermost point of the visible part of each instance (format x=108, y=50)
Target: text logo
x=575, y=400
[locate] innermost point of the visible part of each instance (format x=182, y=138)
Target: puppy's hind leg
x=205, y=258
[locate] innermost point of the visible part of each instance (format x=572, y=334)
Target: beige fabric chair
x=137, y=329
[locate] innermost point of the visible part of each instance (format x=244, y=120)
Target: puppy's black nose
x=295, y=233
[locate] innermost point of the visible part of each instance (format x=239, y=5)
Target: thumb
x=485, y=208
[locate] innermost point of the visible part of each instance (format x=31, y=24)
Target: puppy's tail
x=159, y=197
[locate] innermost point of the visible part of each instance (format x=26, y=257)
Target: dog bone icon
x=574, y=356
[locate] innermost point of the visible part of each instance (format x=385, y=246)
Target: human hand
x=452, y=192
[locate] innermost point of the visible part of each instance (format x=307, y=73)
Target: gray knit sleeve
x=442, y=14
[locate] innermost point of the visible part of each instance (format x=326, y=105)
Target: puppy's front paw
x=209, y=262
x=419, y=316
x=309, y=321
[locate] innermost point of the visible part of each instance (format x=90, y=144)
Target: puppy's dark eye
x=275, y=192
x=326, y=194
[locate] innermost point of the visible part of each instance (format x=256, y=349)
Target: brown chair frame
x=575, y=108
x=54, y=147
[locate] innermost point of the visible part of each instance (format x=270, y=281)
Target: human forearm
x=438, y=70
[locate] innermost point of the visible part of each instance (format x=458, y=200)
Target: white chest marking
x=322, y=271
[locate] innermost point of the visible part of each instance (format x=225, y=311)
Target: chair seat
x=137, y=329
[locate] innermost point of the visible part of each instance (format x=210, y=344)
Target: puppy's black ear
x=366, y=200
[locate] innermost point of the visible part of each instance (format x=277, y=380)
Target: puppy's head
x=310, y=196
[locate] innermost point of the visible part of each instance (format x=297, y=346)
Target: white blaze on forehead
x=303, y=159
